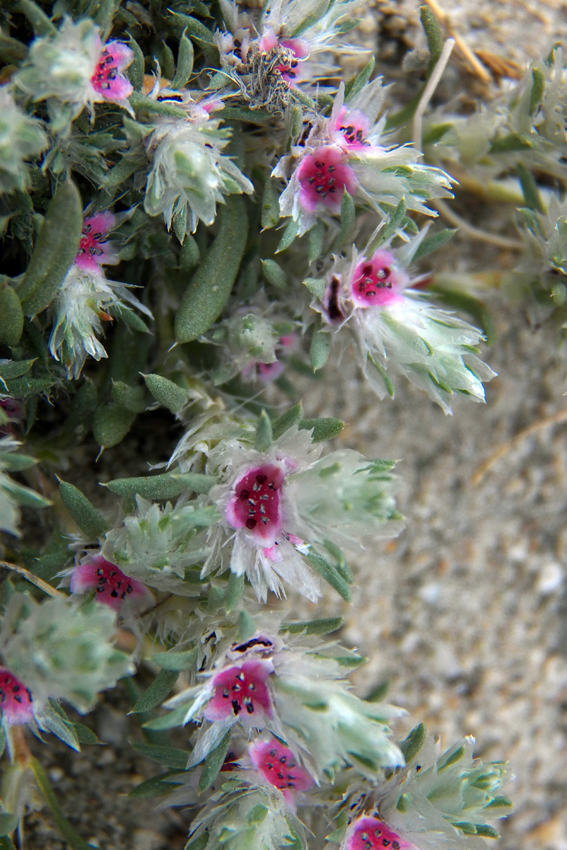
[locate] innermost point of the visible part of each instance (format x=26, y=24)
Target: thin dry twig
x=476, y=232
x=432, y=84
x=503, y=450
x=39, y=582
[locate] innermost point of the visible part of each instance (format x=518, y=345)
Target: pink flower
x=372, y=834
x=111, y=584
x=352, y=129
x=15, y=699
x=256, y=503
x=376, y=282
x=108, y=81
x=323, y=177
x=94, y=250
x=241, y=688
x=279, y=766
x=268, y=372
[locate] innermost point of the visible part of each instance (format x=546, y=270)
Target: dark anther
x=249, y=708
x=236, y=707
x=250, y=523
x=395, y=845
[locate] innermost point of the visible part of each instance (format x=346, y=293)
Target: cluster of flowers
x=247, y=507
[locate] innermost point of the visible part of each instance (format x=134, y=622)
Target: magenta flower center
x=375, y=282
x=279, y=766
x=256, y=502
x=112, y=586
x=105, y=73
x=373, y=834
x=354, y=127
x=15, y=699
x=241, y=690
x=323, y=177
x=91, y=242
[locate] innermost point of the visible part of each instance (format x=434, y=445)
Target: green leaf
x=234, y=591
x=168, y=756
x=243, y=113
x=157, y=692
x=11, y=315
x=486, y=830
x=316, y=286
x=356, y=85
x=499, y=803
x=214, y=762
x=287, y=420
x=144, y=106
x=388, y=383
x=471, y=305
x=8, y=823
x=411, y=745
x=84, y=734
x=193, y=27
x=136, y=69
x=131, y=398
x=167, y=721
x=25, y=496
x=434, y=35
x=177, y=661
x=89, y=520
x=198, y=843
x=16, y=463
x=451, y=758
x=40, y=23
x=166, y=486
x=511, y=142
x=323, y=626
x=319, y=348
x=394, y=224
x=435, y=133
x=322, y=429
x=270, y=205
x=530, y=189
x=538, y=88
x=264, y=434
x=154, y=787
x=55, y=249
x=210, y=287
x=274, y=274
x=14, y=369
x=348, y=215
x=433, y=242
x=185, y=56
x=111, y=423
x=6, y=843
x=189, y=255
x=289, y=234
x=378, y=692
x=330, y=574
x=246, y=625
x=315, y=242
x=167, y=393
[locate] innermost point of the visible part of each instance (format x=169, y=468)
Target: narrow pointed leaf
x=210, y=287
x=89, y=520
x=56, y=247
